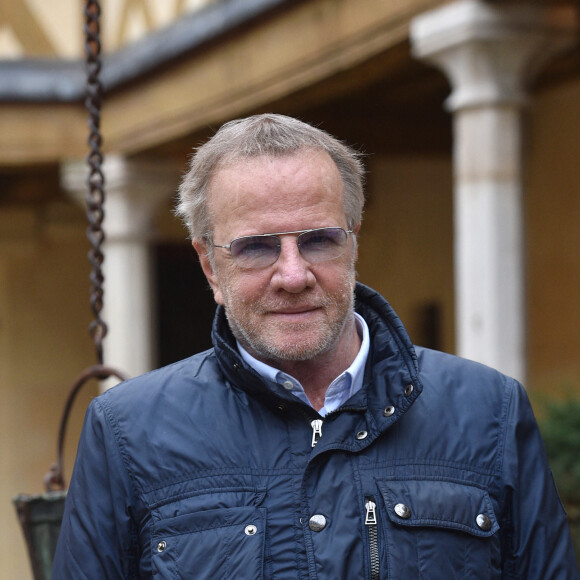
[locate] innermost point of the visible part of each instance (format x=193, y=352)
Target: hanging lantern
x=40, y=517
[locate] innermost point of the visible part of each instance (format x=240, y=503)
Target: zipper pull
x=373, y=531
x=371, y=513
x=316, y=431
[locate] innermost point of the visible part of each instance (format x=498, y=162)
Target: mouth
x=296, y=310
x=295, y=313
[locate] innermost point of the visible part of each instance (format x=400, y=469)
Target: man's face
x=292, y=310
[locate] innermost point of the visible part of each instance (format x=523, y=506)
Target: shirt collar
x=342, y=387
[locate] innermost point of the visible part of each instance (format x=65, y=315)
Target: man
x=313, y=440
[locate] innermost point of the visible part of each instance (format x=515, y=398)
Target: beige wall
x=406, y=243
x=553, y=241
x=44, y=344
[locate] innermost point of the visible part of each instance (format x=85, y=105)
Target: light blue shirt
x=339, y=391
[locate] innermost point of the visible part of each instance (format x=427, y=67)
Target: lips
x=287, y=306
x=302, y=310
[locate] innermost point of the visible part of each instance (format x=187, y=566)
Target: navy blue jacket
x=434, y=470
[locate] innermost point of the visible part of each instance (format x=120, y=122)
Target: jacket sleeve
x=97, y=538
x=537, y=544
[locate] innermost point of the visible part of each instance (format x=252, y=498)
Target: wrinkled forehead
x=293, y=180
x=242, y=170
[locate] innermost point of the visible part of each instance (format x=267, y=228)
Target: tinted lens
x=255, y=251
x=323, y=244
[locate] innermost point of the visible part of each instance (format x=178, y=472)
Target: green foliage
x=561, y=432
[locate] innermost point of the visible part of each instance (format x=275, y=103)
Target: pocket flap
x=443, y=504
x=199, y=500
x=210, y=519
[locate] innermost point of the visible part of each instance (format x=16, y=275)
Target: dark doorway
x=185, y=305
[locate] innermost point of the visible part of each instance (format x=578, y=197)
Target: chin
x=294, y=349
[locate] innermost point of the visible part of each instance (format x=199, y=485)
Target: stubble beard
x=305, y=341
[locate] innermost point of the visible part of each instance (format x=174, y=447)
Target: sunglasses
x=262, y=250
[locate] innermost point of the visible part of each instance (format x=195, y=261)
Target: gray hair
x=263, y=135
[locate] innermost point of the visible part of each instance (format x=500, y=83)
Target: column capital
x=133, y=191
x=491, y=51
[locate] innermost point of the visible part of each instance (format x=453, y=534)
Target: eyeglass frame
x=277, y=234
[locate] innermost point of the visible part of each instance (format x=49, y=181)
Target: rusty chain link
x=96, y=193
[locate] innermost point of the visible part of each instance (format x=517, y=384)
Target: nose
x=292, y=272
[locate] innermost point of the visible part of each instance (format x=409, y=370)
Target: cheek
x=336, y=277
x=242, y=287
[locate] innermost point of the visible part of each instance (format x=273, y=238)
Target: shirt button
x=288, y=385
x=317, y=523
x=361, y=435
x=483, y=522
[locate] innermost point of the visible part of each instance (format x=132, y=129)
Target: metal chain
x=96, y=194
x=54, y=480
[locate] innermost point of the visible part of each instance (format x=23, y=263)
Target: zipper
x=373, y=530
x=316, y=425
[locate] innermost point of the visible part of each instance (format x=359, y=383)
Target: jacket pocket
x=439, y=529
x=219, y=543
x=209, y=532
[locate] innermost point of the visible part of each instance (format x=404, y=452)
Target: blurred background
x=468, y=113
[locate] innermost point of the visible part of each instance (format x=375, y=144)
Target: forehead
x=260, y=194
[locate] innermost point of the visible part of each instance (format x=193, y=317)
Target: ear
x=203, y=250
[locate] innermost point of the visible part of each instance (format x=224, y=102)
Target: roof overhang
x=224, y=61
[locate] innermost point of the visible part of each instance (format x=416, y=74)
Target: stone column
x=133, y=190
x=489, y=53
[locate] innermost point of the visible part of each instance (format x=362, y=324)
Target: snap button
x=288, y=385
x=483, y=522
x=403, y=511
x=361, y=435
x=409, y=389
x=251, y=530
x=390, y=410
x=317, y=523
x=161, y=546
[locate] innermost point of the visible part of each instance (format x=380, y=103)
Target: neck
x=315, y=375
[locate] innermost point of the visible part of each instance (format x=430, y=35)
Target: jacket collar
x=391, y=366
x=392, y=378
